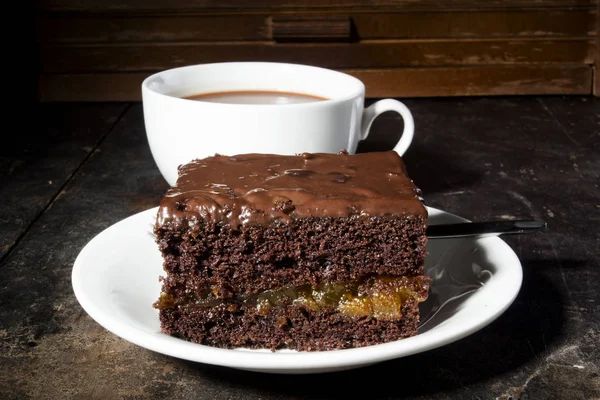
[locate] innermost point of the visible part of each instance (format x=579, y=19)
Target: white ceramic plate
x=115, y=279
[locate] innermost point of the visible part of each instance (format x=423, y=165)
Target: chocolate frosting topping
x=261, y=188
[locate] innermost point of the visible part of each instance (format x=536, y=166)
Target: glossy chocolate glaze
x=261, y=188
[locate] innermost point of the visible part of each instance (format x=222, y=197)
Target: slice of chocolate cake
x=306, y=252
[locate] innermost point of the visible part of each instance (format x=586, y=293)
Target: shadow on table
x=424, y=162
x=523, y=332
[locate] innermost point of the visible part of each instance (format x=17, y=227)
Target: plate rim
x=280, y=362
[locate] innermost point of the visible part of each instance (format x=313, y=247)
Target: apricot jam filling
x=380, y=297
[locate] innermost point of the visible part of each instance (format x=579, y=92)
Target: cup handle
x=381, y=106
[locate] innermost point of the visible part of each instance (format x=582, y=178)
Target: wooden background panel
x=400, y=82
x=191, y=5
x=91, y=28
x=150, y=57
x=550, y=45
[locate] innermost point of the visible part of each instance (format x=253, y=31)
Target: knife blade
x=485, y=228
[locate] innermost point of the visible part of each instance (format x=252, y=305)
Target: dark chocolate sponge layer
x=288, y=327
x=306, y=251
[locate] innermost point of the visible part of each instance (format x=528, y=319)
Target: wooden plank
x=82, y=29
x=401, y=82
x=90, y=28
x=477, y=81
x=91, y=87
x=244, y=5
x=310, y=28
x=489, y=24
x=380, y=54
x=41, y=159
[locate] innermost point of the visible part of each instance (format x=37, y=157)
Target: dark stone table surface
x=75, y=169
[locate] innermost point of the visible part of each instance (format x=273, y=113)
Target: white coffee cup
x=180, y=130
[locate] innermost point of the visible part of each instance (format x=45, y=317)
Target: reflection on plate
x=115, y=279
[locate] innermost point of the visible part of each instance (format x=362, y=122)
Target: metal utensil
x=486, y=228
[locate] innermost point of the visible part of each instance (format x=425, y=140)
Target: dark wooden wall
x=93, y=50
